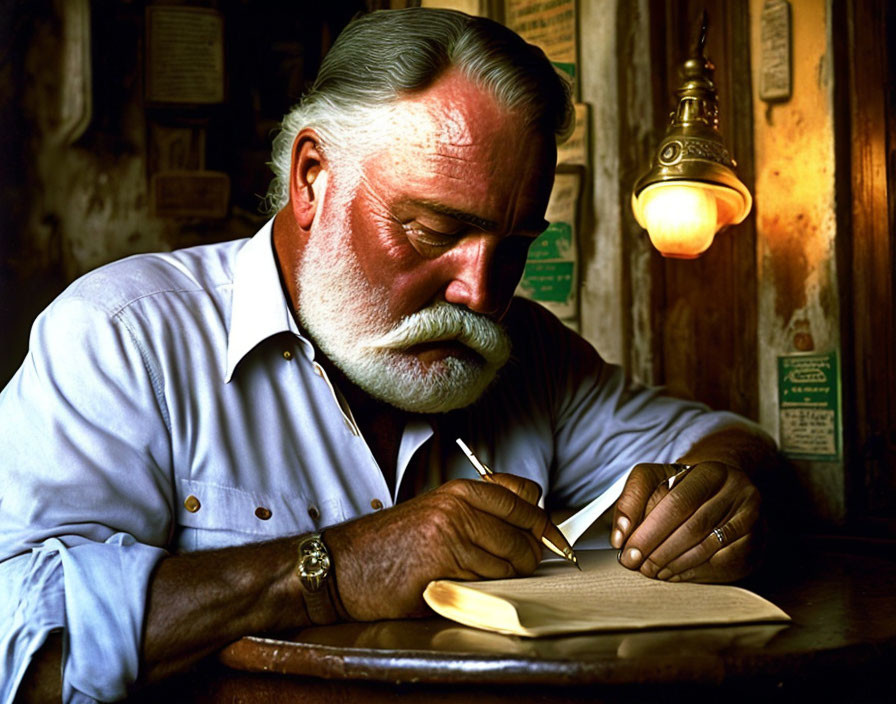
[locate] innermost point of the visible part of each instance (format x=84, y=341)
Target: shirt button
x=376, y=504
x=287, y=355
x=191, y=503
x=313, y=512
x=263, y=513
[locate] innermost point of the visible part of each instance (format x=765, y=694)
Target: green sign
x=809, y=406
x=548, y=281
x=553, y=243
x=567, y=67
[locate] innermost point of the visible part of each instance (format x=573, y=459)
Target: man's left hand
x=707, y=528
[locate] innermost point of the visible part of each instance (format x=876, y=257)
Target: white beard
x=348, y=319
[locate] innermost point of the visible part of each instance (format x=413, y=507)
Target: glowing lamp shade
x=682, y=217
x=690, y=192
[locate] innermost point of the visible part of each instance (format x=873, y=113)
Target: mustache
x=446, y=321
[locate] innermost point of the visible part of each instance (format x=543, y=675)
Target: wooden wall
x=811, y=269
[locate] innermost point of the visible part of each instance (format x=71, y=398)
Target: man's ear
x=305, y=190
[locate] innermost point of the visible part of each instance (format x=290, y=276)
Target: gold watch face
x=314, y=564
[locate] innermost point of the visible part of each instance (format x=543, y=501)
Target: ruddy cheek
x=414, y=289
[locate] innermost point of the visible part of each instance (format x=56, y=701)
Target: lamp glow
x=680, y=219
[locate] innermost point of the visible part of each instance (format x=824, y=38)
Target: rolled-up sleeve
x=95, y=594
x=86, y=501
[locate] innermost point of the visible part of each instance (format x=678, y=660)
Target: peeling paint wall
x=81, y=145
x=615, y=80
x=795, y=212
x=796, y=226
x=637, y=140
x=89, y=201
x=602, y=313
x=72, y=202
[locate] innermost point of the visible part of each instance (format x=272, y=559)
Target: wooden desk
x=841, y=645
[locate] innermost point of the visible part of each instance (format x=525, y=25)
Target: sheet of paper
x=606, y=596
x=619, y=595
x=574, y=526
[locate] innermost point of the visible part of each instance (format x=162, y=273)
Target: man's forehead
x=452, y=114
x=454, y=145
x=453, y=126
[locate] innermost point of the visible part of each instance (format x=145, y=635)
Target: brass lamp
x=691, y=191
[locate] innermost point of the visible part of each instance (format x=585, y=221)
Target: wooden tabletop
x=843, y=636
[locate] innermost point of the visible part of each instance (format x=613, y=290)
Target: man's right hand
x=465, y=529
x=198, y=602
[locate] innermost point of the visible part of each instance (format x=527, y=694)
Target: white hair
x=389, y=54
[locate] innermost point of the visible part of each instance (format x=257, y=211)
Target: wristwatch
x=313, y=570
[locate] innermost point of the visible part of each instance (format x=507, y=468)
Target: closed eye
x=428, y=242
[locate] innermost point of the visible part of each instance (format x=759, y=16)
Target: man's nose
x=473, y=282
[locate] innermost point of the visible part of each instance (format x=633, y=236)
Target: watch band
x=314, y=572
x=319, y=607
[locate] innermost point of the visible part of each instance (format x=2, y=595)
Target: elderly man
x=253, y=436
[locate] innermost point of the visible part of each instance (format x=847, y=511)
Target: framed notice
x=184, y=55
x=471, y=7
x=775, y=79
x=551, y=273
x=575, y=149
x=196, y=194
x=550, y=25
x=809, y=406
x=176, y=148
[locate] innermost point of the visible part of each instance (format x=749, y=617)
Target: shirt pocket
x=213, y=516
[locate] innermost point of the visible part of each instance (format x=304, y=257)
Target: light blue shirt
x=169, y=403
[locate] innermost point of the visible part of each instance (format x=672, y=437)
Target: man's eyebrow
x=459, y=215
x=482, y=223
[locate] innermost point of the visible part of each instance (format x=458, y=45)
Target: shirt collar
x=259, y=307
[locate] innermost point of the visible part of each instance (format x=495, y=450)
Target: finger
x=476, y=563
x=729, y=564
x=632, y=503
x=690, y=497
x=685, y=538
x=673, y=474
x=733, y=513
x=694, y=557
x=724, y=534
x=646, y=486
x=495, y=519
x=526, y=489
x=516, y=546
x=531, y=492
x=493, y=498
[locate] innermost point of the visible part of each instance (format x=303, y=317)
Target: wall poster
x=551, y=273
x=184, y=55
x=549, y=24
x=809, y=406
x=575, y=149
